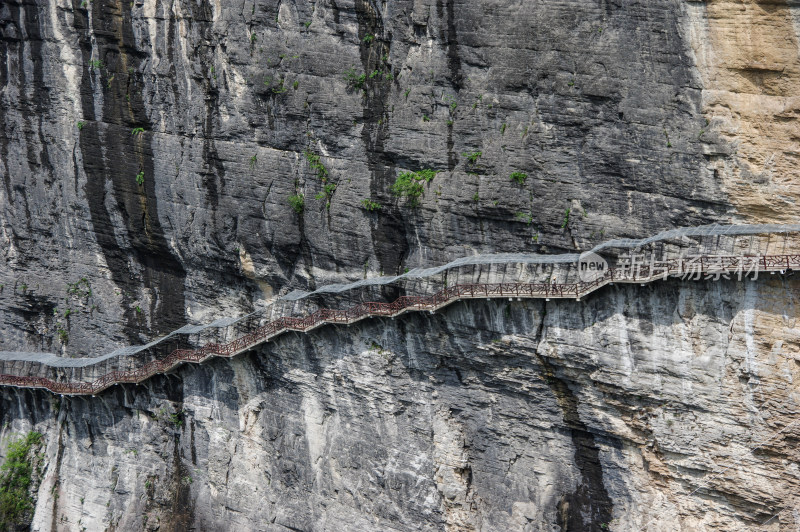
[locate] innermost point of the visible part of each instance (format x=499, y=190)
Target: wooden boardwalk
x=699, y=267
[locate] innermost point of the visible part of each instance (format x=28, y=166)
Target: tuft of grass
x=297, y=202
x=370, y=205
x=137, y=131
x=96, y=63
x=425, y=118
x=80, y=289
x=177, y=418
x=80, y=124
x=280, y=89
x=295, y=85
x=566, y=219
x=63, y=335
x=472, y=157
x=524, y=217
x=140, y=178
x=519, y=177
x=368, y=38
x=253, y=37
x=253, y=161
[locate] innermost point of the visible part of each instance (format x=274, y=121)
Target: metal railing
x=701, y=266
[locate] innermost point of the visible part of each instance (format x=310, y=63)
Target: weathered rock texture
x=747, y=56
x=600, y=104
x=620, y=411
x=636, y=409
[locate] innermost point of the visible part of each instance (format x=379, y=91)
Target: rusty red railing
x=700, y=266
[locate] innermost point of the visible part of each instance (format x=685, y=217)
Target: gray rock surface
x=599, y=104
x=636, y=409
x=668, y=407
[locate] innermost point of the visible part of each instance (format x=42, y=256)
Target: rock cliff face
x=148, y=153
x=747, y=56
x=635, y=409
x=600, y=105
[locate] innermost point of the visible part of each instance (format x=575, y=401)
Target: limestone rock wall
x=635, y=409
x=599, y=103
x=747, y=56
x=148, y=150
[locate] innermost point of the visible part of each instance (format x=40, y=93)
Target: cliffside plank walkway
x=698, y=267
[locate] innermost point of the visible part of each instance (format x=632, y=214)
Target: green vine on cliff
x=315, y=163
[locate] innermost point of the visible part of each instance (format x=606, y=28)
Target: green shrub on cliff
x=409, y=185
x=472, y=157
x=354, y=79
x=297, y=202
x=16, y=503
x=370, y=205
x=519, y=177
